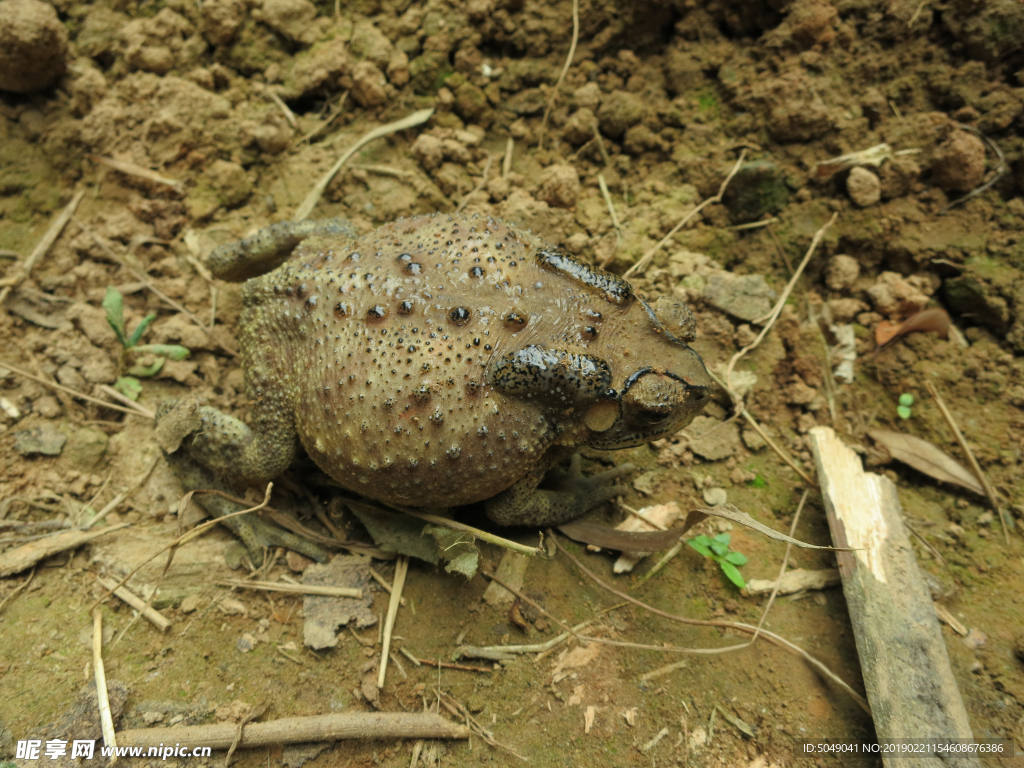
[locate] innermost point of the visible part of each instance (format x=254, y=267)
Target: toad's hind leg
x=215, y=447
x=570, y=495
x=270, y=247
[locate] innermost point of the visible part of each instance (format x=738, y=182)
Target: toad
x=438, y=361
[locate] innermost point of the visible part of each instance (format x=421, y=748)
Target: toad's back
x=383, y=346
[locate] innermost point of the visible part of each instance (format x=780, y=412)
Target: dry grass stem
x=106, y=718
x=479, y=185
x=110, y=507
x=131, y=169
x=285, y=110
x=385, y=585
x=754, y=224
x=619, y=237
x=416, y=118
x=149, y=613
x=975, y=466
x=779, y=304
x=782, y=568
x=138, y=411
x=646, y=258
x=444, y=522
x=292, y=589
x=384, y=170
x=506, y=161
x=401, y=569
x=19, y=272
x=127, y=402
x=565, y=69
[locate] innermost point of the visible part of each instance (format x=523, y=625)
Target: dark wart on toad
x=438, y=361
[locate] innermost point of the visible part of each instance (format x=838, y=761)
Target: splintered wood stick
x=903, y=658
x=295, y=730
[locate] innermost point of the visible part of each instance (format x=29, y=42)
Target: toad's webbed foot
x=570, y=494
x=200, y=462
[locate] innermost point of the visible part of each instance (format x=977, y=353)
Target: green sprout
x=129, y=385
x=718, y=550
x=903, y=409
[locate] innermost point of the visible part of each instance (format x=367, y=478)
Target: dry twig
x=292, y=730
x=292, y=589
x=151, y=614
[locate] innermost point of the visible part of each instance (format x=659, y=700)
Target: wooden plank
x=903, y=658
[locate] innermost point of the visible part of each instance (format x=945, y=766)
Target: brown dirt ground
x=676, y=89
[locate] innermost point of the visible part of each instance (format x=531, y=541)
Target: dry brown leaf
x=926, y=458
x=933, y=320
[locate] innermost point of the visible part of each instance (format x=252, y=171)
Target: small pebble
x=715, y=496
x=45, y=439
x=246, y=643
x=863, y=187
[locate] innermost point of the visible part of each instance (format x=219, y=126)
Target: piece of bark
x=903, y=658
x=793, y=581
x=511, y=570
x=24, y=557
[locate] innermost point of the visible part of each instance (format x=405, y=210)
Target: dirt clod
x=959, y=162
x=33, y=46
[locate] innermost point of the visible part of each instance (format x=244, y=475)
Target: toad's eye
x=650, y=417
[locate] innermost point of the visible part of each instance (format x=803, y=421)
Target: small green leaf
x=113, y=305
x=129, y=386
x=173, y=351
x=758, y=482
x=147, y=371
x=736, y=558
x=903, y=411
x=725, y=538
x=906, y=399
x=141, y=328
x=732, y=574
x=700, y=546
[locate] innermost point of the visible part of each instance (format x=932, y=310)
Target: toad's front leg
x=568, y=495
